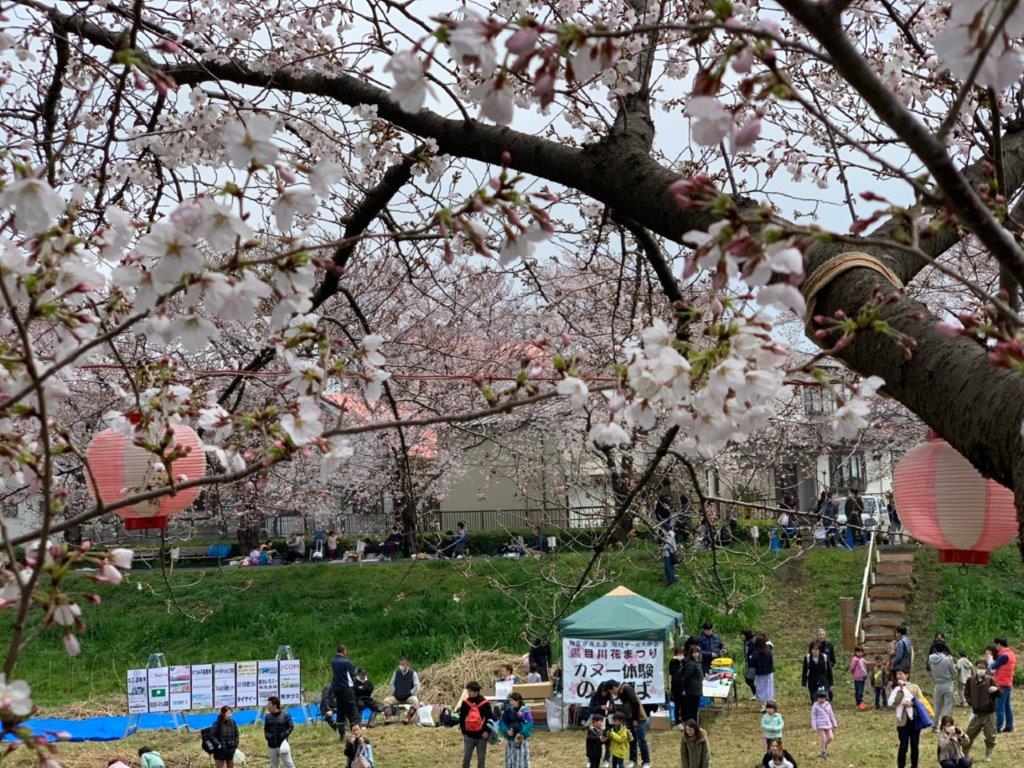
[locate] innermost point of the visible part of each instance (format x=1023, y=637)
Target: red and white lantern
x=943, y=501
x=122, y=469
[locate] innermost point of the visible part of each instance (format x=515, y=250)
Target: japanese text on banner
x=588, y=663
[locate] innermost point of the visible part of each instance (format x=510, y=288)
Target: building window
x=817, y=401
x=848, y=470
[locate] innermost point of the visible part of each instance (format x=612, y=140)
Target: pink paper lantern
x=123, y=469
x=943, y=501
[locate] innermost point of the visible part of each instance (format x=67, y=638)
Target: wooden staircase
x=892, y=574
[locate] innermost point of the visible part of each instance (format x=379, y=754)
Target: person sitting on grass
x=356, y=745
x=150, y=758
x=777, y=757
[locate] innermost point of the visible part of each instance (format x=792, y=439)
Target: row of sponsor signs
x=212, y=686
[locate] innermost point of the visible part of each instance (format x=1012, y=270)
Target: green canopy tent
x=622, y=615
x=621, y=636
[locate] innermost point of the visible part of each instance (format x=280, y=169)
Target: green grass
x=801, y=596
x=428, y=611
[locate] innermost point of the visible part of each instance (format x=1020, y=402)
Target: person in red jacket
x=1003, y=667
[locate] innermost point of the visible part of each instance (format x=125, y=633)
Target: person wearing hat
x=363, y=690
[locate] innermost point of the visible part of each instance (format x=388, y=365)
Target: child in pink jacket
x=859, y=673
x=823, y=720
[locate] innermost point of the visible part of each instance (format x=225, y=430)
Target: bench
x=215, y=553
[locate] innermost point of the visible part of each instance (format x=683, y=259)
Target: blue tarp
x=113, y=728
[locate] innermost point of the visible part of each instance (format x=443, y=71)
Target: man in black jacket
x=277, y=726
x=474, y=715
x=343, y=677
x=540, y=655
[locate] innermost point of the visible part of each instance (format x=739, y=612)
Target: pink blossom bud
x=111, y=574
x=286, y=175
x=748, y=133
x=168, y=46
x=92, y=597
x=948, y=329
x=840, y=314
x=71, y=645
x=481, y=497
x=565, y=337
x=544, y=87
x=140, y=82
x=523, y=42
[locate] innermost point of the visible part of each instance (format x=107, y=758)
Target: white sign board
x=588, y=663
x=138, y=692
x=223, y=685
x=181, y=688
x=159, y=699
x=245, y=684
x=290, y=683
x=202, y=686
x=266, y=685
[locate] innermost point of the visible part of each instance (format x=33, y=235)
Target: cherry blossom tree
x=618, y=215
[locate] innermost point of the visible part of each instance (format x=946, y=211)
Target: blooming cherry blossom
x=292, y=202
x=36, y=205
x=575, y=389
x=250, y=141
x=410, y=89
x=15, y=699
x=304, y=424
x=710, y=122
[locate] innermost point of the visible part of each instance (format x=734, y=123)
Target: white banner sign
x=181, y=688
x=290, y=683
x=588, y=663
x=202, y=686
x=245, y=684
x=138, y=692
x=223, y=685
x=159, y=699
x=212, y=686
x=266, y=685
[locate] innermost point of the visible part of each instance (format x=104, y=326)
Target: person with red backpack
x=475, y=716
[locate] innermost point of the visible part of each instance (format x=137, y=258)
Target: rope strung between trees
x=836, y=266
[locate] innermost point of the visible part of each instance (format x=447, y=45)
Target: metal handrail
x=864, y=587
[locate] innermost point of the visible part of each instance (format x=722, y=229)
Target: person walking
x=669, y=552
x=516, y=727
x=982, y=696
x=540, y=656
x=816, y=674
x=692, y=688
x=944, y=675
x=225, y=731
x=764, y=670
x=965, y=671
x=859, y=673
x=277, y=727
x=1002, y=672
x=823, y=720
x=343, y=677
x=772, y=724
x=356, y=746
x=903, y=695
x=827, y=649
x=405, y=687
x=475, y=715
x=903, y=652
x=747, y=638
x=694, y=748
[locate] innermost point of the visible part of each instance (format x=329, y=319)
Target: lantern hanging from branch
x=122, y=469
x=943, y=501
